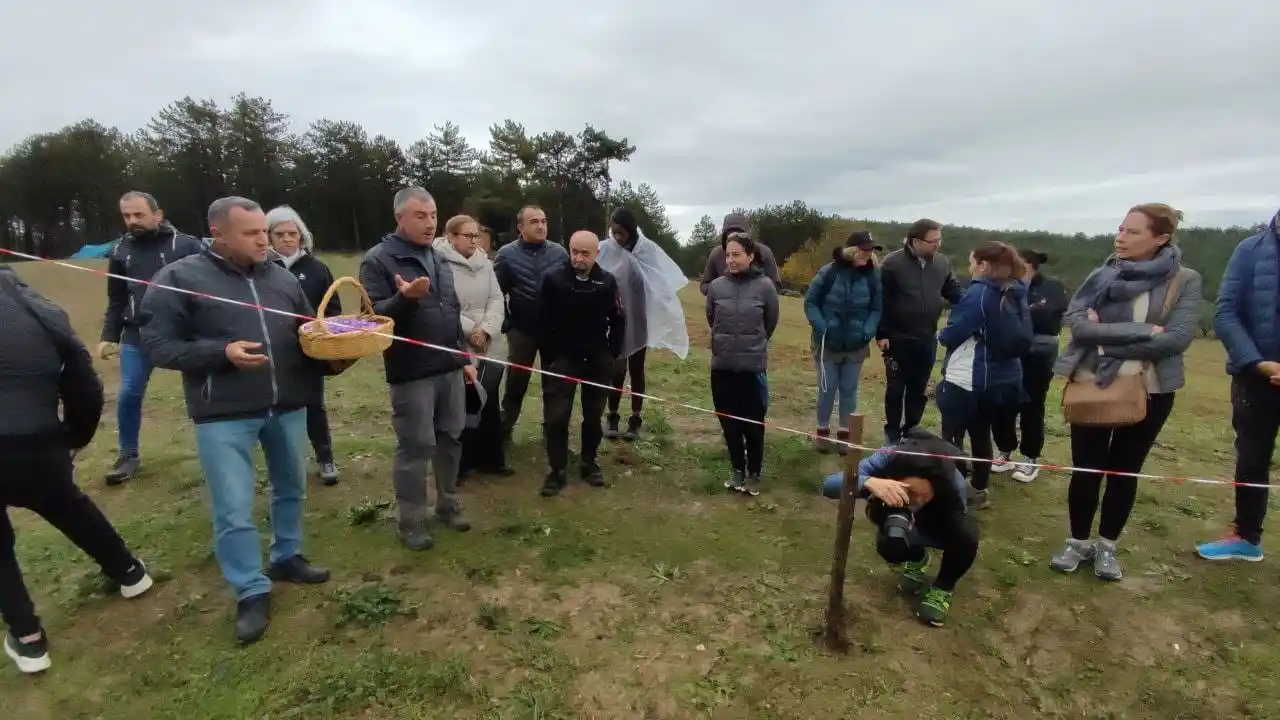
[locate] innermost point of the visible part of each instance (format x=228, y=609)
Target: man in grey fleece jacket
x=246, y=382
x=715, y=261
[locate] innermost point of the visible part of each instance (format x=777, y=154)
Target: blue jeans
x=226, y=456
x=135, y=373
x=841, y=377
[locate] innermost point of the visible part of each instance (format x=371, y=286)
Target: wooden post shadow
x=835, y=635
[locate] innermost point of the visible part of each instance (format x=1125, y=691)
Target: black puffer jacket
x=190, y=334
x=435, y=319
x=42, y=364
x=315, y=278
x=140, y=258
x=520, y=267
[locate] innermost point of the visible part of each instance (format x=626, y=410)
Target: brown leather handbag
x=1122, y=403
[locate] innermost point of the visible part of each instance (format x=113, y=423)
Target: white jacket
x=478, y=294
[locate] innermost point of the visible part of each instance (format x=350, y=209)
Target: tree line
x=60, y=190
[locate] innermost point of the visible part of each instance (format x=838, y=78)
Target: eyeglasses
x=470, y=236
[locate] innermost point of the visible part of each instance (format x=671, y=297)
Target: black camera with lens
x=894, y=531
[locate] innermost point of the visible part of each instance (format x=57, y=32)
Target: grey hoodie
x=190, y=334
x=715, y=260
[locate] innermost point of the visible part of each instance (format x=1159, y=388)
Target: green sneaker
x=913, y=579
x=933, y=609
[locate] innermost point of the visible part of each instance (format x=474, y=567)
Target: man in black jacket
x=581, y=337
x=520, y=267
x=246, y=382
x=410, y=284
x=43, y=364
x=149, y=244
x=916, y=279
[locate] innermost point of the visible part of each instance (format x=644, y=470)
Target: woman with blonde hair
x=293, y=248
x=1131, y=321
x=483, y=310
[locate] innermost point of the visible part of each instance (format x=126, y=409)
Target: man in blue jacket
x=1247, y=322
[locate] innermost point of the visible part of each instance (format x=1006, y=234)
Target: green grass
x=661, y=597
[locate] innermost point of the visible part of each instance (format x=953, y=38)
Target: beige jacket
x=478, y=294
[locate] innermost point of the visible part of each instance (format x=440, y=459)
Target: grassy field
x=661, y=597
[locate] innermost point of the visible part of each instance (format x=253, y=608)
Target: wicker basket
x=319, y=343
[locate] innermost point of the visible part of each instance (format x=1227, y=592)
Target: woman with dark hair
x=293, y=248
x=742, y=311
x=649, y=283
x=1131, y=321
x=988, y=332
x=1047, y=300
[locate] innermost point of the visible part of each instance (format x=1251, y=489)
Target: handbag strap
x=1171, y=296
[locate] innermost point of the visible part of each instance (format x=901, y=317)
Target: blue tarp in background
x=93, y=251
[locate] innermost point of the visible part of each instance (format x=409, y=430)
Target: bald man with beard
x=580, y=336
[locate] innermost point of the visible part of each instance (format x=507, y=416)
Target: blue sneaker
x=1231, y=547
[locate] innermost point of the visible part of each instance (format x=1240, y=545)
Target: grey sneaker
x=415, y=536
x=455, y=521
x=979, y=499
x=126, y=467
x=1070, y=557
x=329, y=473
x=752, y=486
x=1027, y=470
x=737, y=482
x=611, y=427
x=1105, y=563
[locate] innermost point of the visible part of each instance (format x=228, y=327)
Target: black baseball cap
x=862, y=240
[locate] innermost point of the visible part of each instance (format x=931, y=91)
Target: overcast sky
x=1054, y=114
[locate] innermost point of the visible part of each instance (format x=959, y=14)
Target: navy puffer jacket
x=520, y=266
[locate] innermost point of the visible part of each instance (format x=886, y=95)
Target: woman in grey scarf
x=1117, y=329
x=294, y=249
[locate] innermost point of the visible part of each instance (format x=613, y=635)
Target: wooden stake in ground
x=834, y=635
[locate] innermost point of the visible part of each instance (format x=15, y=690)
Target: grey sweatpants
x=428, y=416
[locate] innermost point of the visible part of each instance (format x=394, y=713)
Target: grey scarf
x=1113, y=288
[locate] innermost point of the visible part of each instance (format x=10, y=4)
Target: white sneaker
x=1002, y=464
x=31, y=658
x=1027, y=471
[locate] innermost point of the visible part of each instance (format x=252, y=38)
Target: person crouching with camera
x=917, y=502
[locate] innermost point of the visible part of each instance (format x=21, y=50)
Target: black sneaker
x=253, y=614
x=592, y=474
x=329, y=473
x=752, y=485
x=611, y=426
x=553, y=484
x=416, y=537
x=126, y=466
x=30, y=657
x=498, y=471
x=633, y=428
x=136, y=581
x=298, y=570
x=737, y=482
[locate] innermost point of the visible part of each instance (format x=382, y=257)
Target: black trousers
x=908, y=365
x=1255, y=415
x=1037, y=375
x=557, y=408
x=482, y=445
x=745, y=395
x=1121, y=449
x=979, y=429
x=38, y=476
x=318, y=424
x=957, y=537
x=635, y=366
x=522, y=349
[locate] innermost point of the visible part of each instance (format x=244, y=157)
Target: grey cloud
x=1053, y=114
